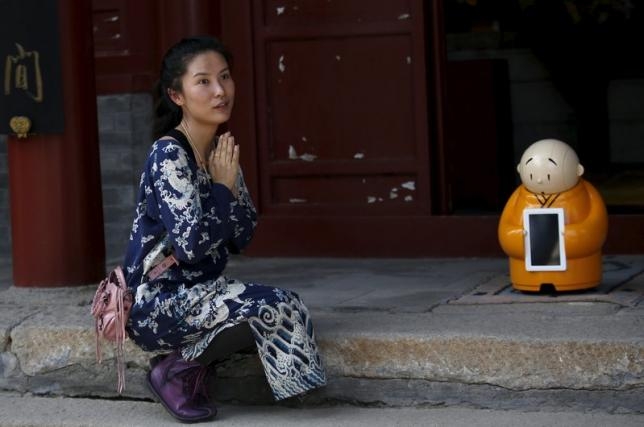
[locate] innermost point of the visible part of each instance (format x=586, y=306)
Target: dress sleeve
x=197, y=224
x=245, y=217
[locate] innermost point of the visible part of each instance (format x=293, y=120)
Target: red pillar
x=54, y=180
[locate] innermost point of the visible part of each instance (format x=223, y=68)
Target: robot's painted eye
x=548, y=177
x=530, y=176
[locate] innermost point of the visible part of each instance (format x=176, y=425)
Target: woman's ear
x=175, y=97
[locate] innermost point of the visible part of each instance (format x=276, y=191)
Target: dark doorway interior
x=574, y=73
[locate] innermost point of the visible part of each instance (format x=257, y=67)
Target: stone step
x=391, y=332
x=371, y=356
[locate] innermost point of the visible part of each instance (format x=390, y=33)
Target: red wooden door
x=347, y=85
x=339, y=110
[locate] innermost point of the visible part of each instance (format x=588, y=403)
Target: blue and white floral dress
x=181, y=211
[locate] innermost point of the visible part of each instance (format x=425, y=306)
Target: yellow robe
x=586, y=225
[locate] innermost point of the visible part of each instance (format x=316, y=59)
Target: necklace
x=200, y=160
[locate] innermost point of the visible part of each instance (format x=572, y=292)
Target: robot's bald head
x=549, y=166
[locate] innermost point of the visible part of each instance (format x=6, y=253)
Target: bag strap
x=97, y=304
x=161, y=267
x=120, y=327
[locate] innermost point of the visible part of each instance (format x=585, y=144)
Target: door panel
x=339, y=126
x=337, y=195
x=313, y=12
x=321, y=103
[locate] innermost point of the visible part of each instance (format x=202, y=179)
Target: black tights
x=227, y=342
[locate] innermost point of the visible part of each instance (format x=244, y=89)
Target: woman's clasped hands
x=223, y=162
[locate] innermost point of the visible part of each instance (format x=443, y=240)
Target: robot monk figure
x=551, y=178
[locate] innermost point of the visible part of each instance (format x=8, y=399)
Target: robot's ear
x=519, y=168
x=580, y=170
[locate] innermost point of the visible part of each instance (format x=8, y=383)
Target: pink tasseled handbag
x=111, y=309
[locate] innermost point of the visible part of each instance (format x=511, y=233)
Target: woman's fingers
x=229, y=149
x=236, y=155
x=224, y=161
x=225, y=148
x=220, y=144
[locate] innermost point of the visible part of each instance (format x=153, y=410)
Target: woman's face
x=208, y=90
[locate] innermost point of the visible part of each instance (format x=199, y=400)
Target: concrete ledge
x=53, y=350
x=388, y=336
x=514, y=364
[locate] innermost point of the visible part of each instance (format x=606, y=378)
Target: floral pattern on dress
x=180, y=211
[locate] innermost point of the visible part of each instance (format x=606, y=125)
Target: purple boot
x=180, y=386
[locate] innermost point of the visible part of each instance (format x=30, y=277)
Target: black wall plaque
x=31, y=83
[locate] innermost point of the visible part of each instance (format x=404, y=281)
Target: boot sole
x=183, y=420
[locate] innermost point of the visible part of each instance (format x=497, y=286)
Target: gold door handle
x=20, y=125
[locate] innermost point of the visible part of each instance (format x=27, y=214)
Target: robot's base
x=556, y=287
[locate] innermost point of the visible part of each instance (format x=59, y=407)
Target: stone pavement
x=392, y=332
x=30, y=411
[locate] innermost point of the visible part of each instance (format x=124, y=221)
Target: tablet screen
x=544, y=243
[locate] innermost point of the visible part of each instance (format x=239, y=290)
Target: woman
x=193, y=209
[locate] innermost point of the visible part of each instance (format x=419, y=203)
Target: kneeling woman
x=193, y=209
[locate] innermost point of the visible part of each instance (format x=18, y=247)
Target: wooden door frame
x=431, y=235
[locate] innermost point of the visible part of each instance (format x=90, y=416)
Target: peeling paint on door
x=292, y=154
x=281, y=65
x=409, y=185
x=308, y=157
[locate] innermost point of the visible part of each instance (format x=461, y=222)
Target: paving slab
x=30, y=411
x=622, y=283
